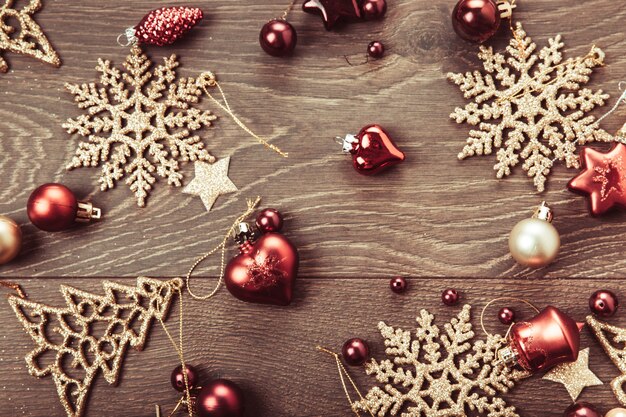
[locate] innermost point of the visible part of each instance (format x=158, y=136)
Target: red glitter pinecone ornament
x=164, y=26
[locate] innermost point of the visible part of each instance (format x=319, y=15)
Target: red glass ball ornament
x=278, y=37
x=269, y=220
x=450, y=297
x=398, y=285
x=355, y=351
x=506, y=316
x=581, y=409
x=178, y=379
x=374, y=9
x=220, y=398
x=52, y=207
x=476, y=20
x=603, y=303
x=376, y=49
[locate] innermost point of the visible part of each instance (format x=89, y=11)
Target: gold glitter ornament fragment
x=139, y=123
x=575, y=376
x=439, y=373
x=530, y=106
x=613, y=340
x=124, y=312
x=210, y=182
x=30, y=39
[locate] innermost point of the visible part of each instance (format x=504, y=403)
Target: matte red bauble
x=269, y=220
x=264, y=272
x=549, y=339
x=278, y=37
x=355, y=351
x=53, y=207
x=372, y=150
x=476, y=20
x=374, y=9
x=178, y=378
x=220, y=398
x=376, y=49
x=603, y=303
x=581, y=409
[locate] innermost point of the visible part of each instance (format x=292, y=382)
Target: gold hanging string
x=15, y=287
x=252, y=204
x=482, y=313
x=343, y=371
x=288, y=10
x=208, y=79
x=620, y=100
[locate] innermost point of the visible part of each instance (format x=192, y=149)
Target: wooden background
x=441, y=222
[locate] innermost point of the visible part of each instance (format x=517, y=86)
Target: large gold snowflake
x=537, y=115
x=139, y=123
x=438, y=375
x=19, y=33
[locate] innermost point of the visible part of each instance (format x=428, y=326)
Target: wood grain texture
x=433, y=217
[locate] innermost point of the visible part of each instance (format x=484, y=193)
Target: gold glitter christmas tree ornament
x=210, y=182
x=29, y=40
x=575, y=376
x=613, y=340
x=437, y=374
x=124, y=312
x=139, y=123
x=530, y=106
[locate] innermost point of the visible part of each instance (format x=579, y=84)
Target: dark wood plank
x=271, y=352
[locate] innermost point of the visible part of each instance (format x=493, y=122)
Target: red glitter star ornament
x=331, y=11
x=603, y=178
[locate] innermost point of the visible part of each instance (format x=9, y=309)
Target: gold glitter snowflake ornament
x=530, y=106
x=139, y=123
x=439, y=374
x=26, y=37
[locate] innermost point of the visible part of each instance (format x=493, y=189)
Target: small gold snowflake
x=530, y=106
x=439, y=374
x=139, y=123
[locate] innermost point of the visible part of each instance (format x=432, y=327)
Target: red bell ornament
x=549, y=339
x=372, y=149
x=265, y=269
x=54, y=207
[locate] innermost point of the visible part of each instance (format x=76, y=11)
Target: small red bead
x=398, y=285
x=52, y=207
x=269, y=220
x=581, y=409
x=178, y=379
x=355, y=351
x=476, y=20
x=450, y=297
x=603, y=303
x=374, y=9
x=506, y=316
x=278, y=37
x=376, y=49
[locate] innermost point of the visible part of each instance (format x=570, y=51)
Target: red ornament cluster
x=166, y=25
x=265, y=269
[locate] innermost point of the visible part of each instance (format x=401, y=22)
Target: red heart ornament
x=264, y=271
x=372, y=150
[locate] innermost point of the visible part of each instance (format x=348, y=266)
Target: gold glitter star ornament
x=139, y=123
x=530, y=106
x=26, y=38
x=439, y=373
x=575, y=376
x=210, y=182
x=65, y=337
